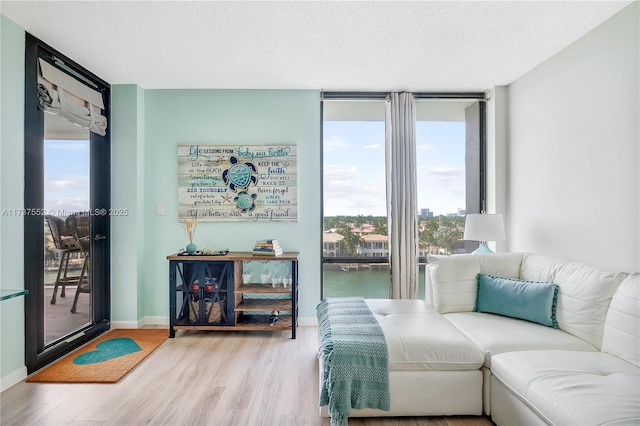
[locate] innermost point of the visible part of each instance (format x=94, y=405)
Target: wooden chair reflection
x=65, y=242
x=80, y=224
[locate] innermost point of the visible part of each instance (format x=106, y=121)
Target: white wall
x=496, y=158
x=574, y=187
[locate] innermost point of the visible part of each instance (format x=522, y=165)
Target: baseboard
x=160, y=320
x=141, y=322
x=125, y=324
x=12, y=378
x=155, y=320
x=308, y=321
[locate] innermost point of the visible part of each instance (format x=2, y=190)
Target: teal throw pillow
x=527, y=300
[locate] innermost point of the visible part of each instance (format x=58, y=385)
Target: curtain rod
x=417, y=95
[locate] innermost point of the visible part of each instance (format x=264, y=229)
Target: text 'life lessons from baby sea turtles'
x=220, y=183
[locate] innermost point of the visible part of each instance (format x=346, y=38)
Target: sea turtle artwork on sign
x=220, y=183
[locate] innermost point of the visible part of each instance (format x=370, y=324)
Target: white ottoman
x=434, y=369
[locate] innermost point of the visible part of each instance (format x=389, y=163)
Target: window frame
x=480, y=97
x=39, y=353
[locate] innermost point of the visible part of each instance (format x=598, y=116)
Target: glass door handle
x=99, y=237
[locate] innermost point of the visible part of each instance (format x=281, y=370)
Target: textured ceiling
x=330, y=45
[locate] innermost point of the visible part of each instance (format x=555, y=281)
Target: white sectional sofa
x=445, y=358
x=587, y=371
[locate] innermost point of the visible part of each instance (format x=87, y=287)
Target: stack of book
x=267, y=248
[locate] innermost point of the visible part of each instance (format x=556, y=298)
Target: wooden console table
x=207, y=293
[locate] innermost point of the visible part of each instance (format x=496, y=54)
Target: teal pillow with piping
x=527, y=300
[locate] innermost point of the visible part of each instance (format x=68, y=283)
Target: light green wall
x=12, y=38
x=140, y=200
x=127, y=183
x=173, y=117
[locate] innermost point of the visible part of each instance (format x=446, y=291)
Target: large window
x=448, y=157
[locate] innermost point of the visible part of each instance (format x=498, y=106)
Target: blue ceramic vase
x=191, y=248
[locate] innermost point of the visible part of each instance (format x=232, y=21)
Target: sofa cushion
x=527, y=300
x=573, y=388
x=584, y=295
x=451, y=280
x=419, y=338
x=622, y=325
x=496, y=334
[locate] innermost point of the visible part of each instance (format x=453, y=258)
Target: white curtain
x=63, y=95
x=402, y=211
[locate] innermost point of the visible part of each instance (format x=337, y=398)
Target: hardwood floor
x=201, y=378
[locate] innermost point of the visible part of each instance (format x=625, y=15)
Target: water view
x=371, y=284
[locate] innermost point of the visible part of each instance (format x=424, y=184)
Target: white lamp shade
x=484, y=227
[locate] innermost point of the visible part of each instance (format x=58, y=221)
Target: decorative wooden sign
x=238, y=183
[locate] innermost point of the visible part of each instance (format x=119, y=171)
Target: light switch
x=161, y=209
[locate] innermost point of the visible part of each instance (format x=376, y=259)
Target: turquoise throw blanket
x=354, y=357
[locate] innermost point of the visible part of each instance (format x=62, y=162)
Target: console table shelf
x=261, y=322
x=207, y=293
x=259, y=305
x=262, y=288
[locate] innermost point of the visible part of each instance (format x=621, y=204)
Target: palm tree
x=351, y=242
x=427, y=237
x=380, y=225
x=449, y=233
x=331, y=222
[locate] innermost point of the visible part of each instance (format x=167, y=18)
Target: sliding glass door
x=66, y=222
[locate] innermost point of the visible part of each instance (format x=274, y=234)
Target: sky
x=354, y=170
x=66, y=180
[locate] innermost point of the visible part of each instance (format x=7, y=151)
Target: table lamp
x=484, y=227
